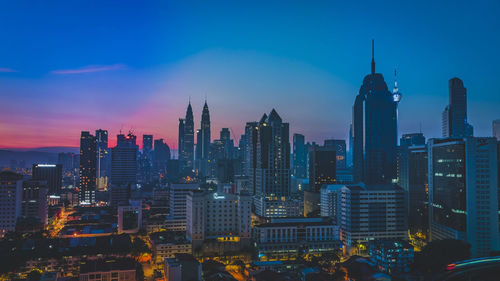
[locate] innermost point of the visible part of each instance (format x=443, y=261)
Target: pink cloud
x=6, y=69
x=91, y=68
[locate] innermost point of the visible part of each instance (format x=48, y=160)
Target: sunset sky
x=68, y=66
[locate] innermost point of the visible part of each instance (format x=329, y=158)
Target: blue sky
x=81, y=65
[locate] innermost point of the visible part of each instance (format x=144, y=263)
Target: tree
x=437, y=254
x=139, y=247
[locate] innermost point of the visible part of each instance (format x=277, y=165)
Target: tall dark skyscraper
x=250, y=153
x=375, y=130
x=186, y=140
x=299, y=156
x=124, y=160
x=161, y=157
x=272, y=179
x=455, y=114
x=322, y=170
x=103, y=158
x=88, y=167
x=50, y=173
x=203, y=140
x=147, y=144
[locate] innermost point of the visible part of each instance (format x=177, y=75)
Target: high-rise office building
x=11, y=187
x=88, y=167
x=161, y=156
x=203, y=140
x=103, y=159
x=375, y=130
x=299, y=156
x=250, y=153
x=51, y=173
x=454, y=124
x=413, y=179
x=496, y=129
x=147, y=144
x=186, y=140
x=322, y=171
x=220, y=216
x=124, y=160
x=340, y=150
x=34, y=200
x=272, y=173
x=463, y=192
x=371, y=212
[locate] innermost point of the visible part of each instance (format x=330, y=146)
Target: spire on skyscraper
x=373, y=56
x=396, y=95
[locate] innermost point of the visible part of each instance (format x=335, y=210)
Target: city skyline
x=103, y=78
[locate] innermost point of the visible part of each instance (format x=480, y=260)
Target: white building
x=11, y=188
x=463, y=192
x=220, y=216
x=372, y=212
x=330, y=201
x=177, y=197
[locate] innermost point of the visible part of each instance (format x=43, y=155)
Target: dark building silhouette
x=88, y=167
x=203, y=140
x=322, y=171
x=250, y=153
x=375, y=130
x=186, y=140
x=161, y=158
x=124, y=160
x=68, y=161
x=299, y=156
x=51, y=174
x=412, y=139
x=340, y=150
x=455, y=113
x=147, y=144
x=34, y=200
x=414, y=181
x=272, y=173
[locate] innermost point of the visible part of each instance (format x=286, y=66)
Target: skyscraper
x=273, y=167
x=88, y=167
x=375, y=130
x=455, y=113
x=203, y=140
x=186, y=140
x=463, y=192
x=299, y=156
x=51, y=173
x=34, y=200
x=103, y=158
x=322, y=171
x=11, y=187
x=124, y=160
x=161, y=157
x=496, y=129
x=147, y=144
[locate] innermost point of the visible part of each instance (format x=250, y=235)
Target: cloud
x=90, y=68
x=6, y=69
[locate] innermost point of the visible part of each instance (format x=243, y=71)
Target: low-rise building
x=392, y=256
x=166, y=244
x=285, y=237
x=104, y=270
x=182, y=267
